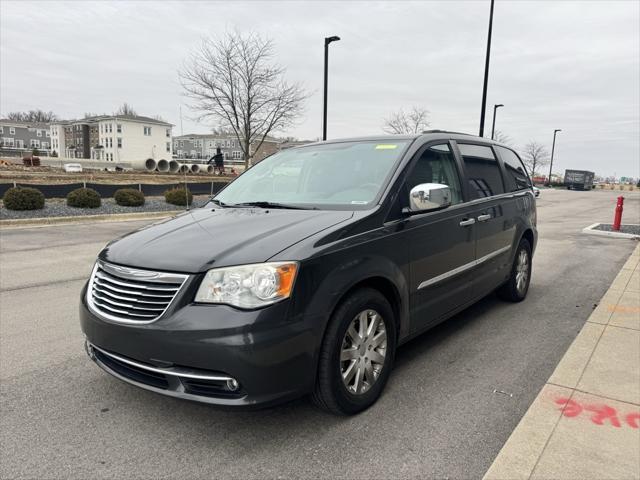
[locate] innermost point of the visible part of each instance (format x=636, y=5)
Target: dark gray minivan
x=306, y=273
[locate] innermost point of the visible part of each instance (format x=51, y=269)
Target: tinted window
x=482, y=170
x=436, y=165
x=517, y=178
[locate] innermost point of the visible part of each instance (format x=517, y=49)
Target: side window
x=483, y=172
x=517, y=178
x=436, y=165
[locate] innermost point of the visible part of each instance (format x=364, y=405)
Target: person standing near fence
x=219, y=162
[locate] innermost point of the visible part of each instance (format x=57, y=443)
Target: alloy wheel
x=363, y=352
x=522, y=271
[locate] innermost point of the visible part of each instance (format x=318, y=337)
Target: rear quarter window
x=516, y=175
x=483, y=172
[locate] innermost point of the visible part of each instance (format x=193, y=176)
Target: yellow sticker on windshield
x=386, y=147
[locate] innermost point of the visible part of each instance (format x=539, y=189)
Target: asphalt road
x=61, y=416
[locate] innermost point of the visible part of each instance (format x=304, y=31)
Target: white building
x=129, y=139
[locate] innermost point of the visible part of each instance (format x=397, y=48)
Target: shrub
x=83, y=198
x=178, y=196
x=18, y=198
x=129, y=197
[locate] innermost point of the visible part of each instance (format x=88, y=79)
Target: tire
x=330, y=392
x=509, y=290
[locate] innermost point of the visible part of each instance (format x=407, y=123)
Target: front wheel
x=357, y=354
x=516, y=287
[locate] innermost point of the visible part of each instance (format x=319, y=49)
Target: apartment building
x=19, y=137
x=203, y=146
x=114, y=138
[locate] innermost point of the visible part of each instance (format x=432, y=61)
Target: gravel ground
x=58, y=208
x=607, y=227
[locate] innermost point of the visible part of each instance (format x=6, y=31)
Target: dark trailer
x=578, y=179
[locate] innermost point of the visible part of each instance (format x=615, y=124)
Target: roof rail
x=446, y=131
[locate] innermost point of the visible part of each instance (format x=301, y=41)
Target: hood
x=206, y=238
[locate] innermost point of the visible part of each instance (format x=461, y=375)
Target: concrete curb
x=591, y=230
x=562, y=436
x=116, y=217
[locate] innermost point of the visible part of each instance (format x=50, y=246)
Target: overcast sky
x=554, y=64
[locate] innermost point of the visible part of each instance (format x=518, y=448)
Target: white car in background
x=536, y=191
x=72, y=167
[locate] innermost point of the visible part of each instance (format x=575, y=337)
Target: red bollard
x=618, y=216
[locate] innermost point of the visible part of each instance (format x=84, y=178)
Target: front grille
x=131, y=295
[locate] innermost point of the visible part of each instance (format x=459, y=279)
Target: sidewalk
x=585, y=422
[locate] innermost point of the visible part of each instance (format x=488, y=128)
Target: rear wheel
x=516, y=287
x=356, y=354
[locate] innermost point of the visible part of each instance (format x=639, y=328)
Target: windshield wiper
x=218, y=202
x=263, y=204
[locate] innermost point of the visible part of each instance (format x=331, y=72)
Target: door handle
x=466, y=223
x=484, y=218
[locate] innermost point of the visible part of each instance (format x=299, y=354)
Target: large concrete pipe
x=174, y=166
x=206, y=168
x=184, y=168
x=163, y=165
x=150, y=164
x=195, y=168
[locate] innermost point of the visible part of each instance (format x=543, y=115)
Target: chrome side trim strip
x=462, y=268
x=445, y=275
x=173, y=371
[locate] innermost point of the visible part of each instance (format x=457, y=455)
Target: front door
x=441, y=244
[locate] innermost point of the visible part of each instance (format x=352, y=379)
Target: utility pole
x=327, y=41
x=493, y=126
x=486, y=73
x=181, y=130
x=553, y=147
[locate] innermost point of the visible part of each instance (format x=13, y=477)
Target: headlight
x=248, y=286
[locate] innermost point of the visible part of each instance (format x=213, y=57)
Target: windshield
x=348, y=174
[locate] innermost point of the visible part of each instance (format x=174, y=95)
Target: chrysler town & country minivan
x=307, y=272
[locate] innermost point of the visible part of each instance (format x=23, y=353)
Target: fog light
x=232, y=384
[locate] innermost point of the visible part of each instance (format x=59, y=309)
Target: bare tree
x=535, y=155
x=502, y=137
x=38, y=116
x=400, y=122
x=126, y=109
x=234, y=81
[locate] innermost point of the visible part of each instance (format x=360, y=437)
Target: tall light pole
x=553, y=147
x=327, y=41
x=486, y=73
x=493, y=126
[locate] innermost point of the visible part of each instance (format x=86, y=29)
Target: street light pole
x=327, y=41
x=553, y=147
x=486, y=73
x=493, y=126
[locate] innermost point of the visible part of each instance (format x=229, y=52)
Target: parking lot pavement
x=454, y=398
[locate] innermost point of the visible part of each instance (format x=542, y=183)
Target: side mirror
x=429, y=196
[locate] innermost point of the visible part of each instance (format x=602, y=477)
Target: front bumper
x=194, y=352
